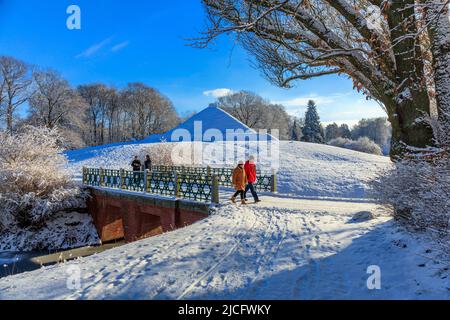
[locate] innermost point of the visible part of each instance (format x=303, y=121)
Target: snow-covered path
x=280, y=249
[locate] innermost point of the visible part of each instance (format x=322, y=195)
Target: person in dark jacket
x=136, y=164
x=148, y=163
x=250, y=171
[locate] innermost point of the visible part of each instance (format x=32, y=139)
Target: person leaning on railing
x=148, y=163
x=137, y=166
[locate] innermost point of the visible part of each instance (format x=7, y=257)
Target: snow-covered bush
x=33, y=182
x=160, y=153
x=62, y=231
x=363, y=144
x=418, y=188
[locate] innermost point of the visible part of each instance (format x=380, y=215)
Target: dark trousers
x=239, y=192
x=251, y=187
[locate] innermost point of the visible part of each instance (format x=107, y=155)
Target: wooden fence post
x=215, y=189
x=273, y=186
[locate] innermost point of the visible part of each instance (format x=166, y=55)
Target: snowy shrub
x=33, y=182
x=62, y=231
x=160, y=153
x=363, y=144
x=418, y=187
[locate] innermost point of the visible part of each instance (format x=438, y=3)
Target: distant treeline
x=87, y=115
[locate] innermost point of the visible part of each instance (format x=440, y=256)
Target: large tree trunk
x=439, y=31
x=407, y=128
x=410, y=102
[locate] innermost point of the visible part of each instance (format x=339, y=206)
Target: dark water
x=18, y=262
x=12, y=263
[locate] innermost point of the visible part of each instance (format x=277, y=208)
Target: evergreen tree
x=296, y=130
x=312, y=131
x=344, y=131
x=294, y=135
x=332, y=131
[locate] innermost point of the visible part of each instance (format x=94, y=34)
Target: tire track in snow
x=169, y=285
x=135, y=267
x=199, y=237
x=216, y=266
x=269, y=252
x=310, y=275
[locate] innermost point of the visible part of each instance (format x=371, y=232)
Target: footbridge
x=133, y=205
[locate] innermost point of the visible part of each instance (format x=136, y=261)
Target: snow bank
x=61, y=231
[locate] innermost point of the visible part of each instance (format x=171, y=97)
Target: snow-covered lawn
x=281, y=249
x=301, y=244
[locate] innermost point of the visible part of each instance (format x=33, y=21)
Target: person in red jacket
x=250, y=171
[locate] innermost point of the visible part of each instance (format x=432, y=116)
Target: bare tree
x=276, y=117
x=245, y=106
x=54, y=102
x=149, y=111
x=112, y=111
x=255, y=112
x=131, y=113
x=383, y=55
x=15, y=82
x=97, y=97
x=2, y=92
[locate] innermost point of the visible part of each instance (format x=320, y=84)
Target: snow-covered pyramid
x=211, y=124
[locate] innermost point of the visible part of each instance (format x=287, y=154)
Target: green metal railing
x=193, y=183
x=197, y=187
x=266, y=181
x=203, y=188
x=163, y=183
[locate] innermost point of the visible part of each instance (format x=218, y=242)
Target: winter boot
x=244, y=202
x=233, y=199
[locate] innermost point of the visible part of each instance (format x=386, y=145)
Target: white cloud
x=337, y=107
x=120, y=46
x=351, y=122
x=89, y=52
x=217, y=93
x=303, y=101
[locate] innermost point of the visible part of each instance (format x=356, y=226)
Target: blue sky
x=126, y=41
